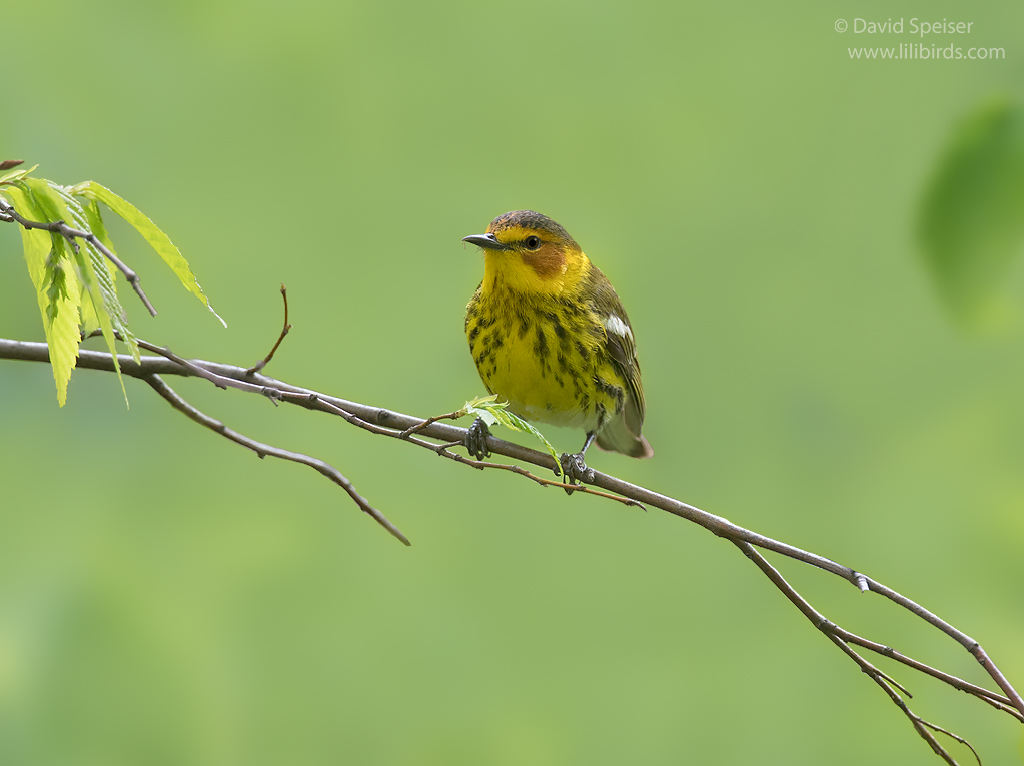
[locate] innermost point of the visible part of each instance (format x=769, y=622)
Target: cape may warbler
x=549, y=335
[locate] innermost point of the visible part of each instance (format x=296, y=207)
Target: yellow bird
x=548, y=334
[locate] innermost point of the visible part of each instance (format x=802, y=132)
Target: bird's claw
x=476, y=439
x=575, y=470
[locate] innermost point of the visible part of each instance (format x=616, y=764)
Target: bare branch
x=966, y=641
x=284, y=331
x=70, y=234
x=819, y=621
x=429, y=421
x=996, y=700
x=262, y=450
x=950, y=734
x=219, y=381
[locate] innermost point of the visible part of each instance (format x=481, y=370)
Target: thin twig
x=284, y=331
x=220, y=381
x=70, y=234
x=428, y=422
x=920, y=725
x=444, y=450
x=996, y=700
x=958, y=738
x=262, y=450
x=819, y=621
x=966, y=641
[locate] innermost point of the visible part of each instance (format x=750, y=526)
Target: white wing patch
x=616, y=326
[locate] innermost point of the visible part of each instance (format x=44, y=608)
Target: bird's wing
x=621, y=347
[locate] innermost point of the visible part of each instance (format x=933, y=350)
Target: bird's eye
x=532, y=243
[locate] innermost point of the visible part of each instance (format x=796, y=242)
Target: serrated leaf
x=97, y=227
x=491, y=411
x=58, y=295
x=972, y=221
x=36, y=241
x=90, y=319
x=55, y=283
x=98, y=268
x=96, y=281
x=151, y=232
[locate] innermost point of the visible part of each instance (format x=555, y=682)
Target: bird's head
x=529, y=252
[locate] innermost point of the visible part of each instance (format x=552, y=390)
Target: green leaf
x=972, y=221
x=492, y=411
x=55, y=283
x=98, y=288
x=17, y=175
x=99, y=271
x=480, y=408
x=152, y=234
x=90, y=319
x=57, y=289
x=95, y=220
x=36, y=241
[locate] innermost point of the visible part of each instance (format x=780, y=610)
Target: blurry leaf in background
x=972, y=224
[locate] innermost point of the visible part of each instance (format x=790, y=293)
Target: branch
x=262, y=450
x=829, y=629
x=284, y=331
x=440, y=438
x=8, y=213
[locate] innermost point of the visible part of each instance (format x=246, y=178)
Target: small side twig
x=70, y=234
x=826, y=626
x=995, y=700
x=219, y=381
x=429, y=422
x=284, y=331
x=951, y=735
x=965, y=641
x=262, y=450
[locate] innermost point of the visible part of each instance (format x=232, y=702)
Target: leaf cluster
x=64, y=238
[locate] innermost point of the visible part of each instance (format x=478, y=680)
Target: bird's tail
x=616, y=436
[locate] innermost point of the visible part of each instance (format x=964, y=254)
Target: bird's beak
x=487, y=241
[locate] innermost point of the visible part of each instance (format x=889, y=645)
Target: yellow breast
x=547, y=357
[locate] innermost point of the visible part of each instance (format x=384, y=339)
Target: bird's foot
x=575, y=470
x=476, y=439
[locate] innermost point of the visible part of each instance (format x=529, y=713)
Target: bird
x=549, y=335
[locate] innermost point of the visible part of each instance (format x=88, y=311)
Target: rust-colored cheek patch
x=547, y=261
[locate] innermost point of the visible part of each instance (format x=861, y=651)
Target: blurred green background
x=166, y=598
